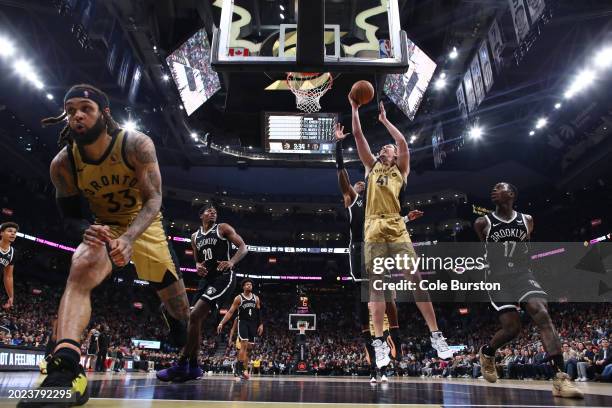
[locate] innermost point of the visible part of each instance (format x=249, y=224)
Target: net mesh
x=308, y=88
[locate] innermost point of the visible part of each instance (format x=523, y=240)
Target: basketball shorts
x=247, y=331
x=385, y=237
x=356, y=262
x=217, y=290
x=153, y=256
x=516, y=287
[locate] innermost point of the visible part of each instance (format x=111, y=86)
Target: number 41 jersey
x=211, y=248
x=506, y=243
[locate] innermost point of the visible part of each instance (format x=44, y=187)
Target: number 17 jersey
x=506, y=243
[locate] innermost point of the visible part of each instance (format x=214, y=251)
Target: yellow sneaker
x=62, y=374
x=564, y=388
x=487, y=366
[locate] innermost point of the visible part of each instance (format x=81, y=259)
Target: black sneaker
x=61, y=374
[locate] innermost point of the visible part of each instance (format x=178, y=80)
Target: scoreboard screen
x=303, y=133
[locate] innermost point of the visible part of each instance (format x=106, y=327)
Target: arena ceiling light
x=603, y=58
x=440, y=82
x=165, y=78
x=130, y=125
x=541, y=123
x=476, y=132
x=582, y=81
x=49, y=96
x=412, y=139
x=7, y=48
x=558, y=105
x=531, y=133
x=194, y=135
x=454, y=53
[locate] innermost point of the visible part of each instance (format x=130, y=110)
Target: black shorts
x=517, y=286
x=247, y=331
x=218, y=290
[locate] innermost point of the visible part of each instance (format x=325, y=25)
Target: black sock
x=68, y=355
x=239, y=368
x=558, y=362
x=488, y=350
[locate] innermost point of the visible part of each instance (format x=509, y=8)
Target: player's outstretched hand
x=97, y=235
x=339, y=132
x=224, y=265
x=220, y=329
x=201, y=269
x=382, y=115
x=260, y=330
x=120, y=251
x=353, y=103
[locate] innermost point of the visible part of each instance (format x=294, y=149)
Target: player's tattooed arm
x=480, y=226
x=62, y=176
x=232, y=236
x=140, y=152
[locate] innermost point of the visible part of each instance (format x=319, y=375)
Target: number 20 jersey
x=211, y=248
x=506, y=243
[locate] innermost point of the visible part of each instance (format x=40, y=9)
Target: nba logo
x=384, y=47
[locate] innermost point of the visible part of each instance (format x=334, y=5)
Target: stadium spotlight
x=49, y=97
x=558, y=105
x=282, y=16
x=194, y=135
x=476, y=132
x=531, y=133
x=541, y=123
x=165, y=78
x=130, y=125
x=582, y=80
x=282, y=7
x=6, y=47
x=603, y=59
x=440, y=83
x=454, y=53
x=412, y=139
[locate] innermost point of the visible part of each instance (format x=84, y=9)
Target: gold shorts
x=151, y=252
x=386, y=236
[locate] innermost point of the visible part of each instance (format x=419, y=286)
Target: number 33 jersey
x=109, y=184
x=506, y=243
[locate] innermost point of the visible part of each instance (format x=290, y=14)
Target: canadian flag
x=238, y=52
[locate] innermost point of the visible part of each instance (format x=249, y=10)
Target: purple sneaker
x=178, y=373
x=194, y=373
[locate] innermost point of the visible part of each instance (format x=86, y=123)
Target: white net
x=308, y=88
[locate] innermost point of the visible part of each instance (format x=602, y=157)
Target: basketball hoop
x=308, y=88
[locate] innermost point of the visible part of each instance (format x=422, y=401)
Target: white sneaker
x=438, y=342
x=382, y=350
x=373, y=379
x=384, y=379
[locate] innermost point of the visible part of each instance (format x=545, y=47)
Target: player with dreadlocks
x=118, y=174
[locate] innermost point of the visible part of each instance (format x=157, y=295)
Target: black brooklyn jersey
x=7, y=258
x=247, y=311
x=506, y=242
x=211, y=248
x=356, y=214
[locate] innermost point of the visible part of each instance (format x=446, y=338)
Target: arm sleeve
x=339, y=157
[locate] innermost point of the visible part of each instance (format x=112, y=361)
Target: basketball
x=362, y=92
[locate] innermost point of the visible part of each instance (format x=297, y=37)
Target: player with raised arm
x=385, y=233
x=8, y=234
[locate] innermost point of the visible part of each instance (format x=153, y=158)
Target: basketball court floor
x=144, y=390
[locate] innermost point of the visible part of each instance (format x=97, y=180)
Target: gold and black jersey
x=385, y=184
x=109, y=184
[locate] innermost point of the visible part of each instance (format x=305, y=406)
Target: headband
x=88, y=93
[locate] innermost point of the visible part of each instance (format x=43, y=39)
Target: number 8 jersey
x=109, y=184
x=506, y=243
x=211, y=248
